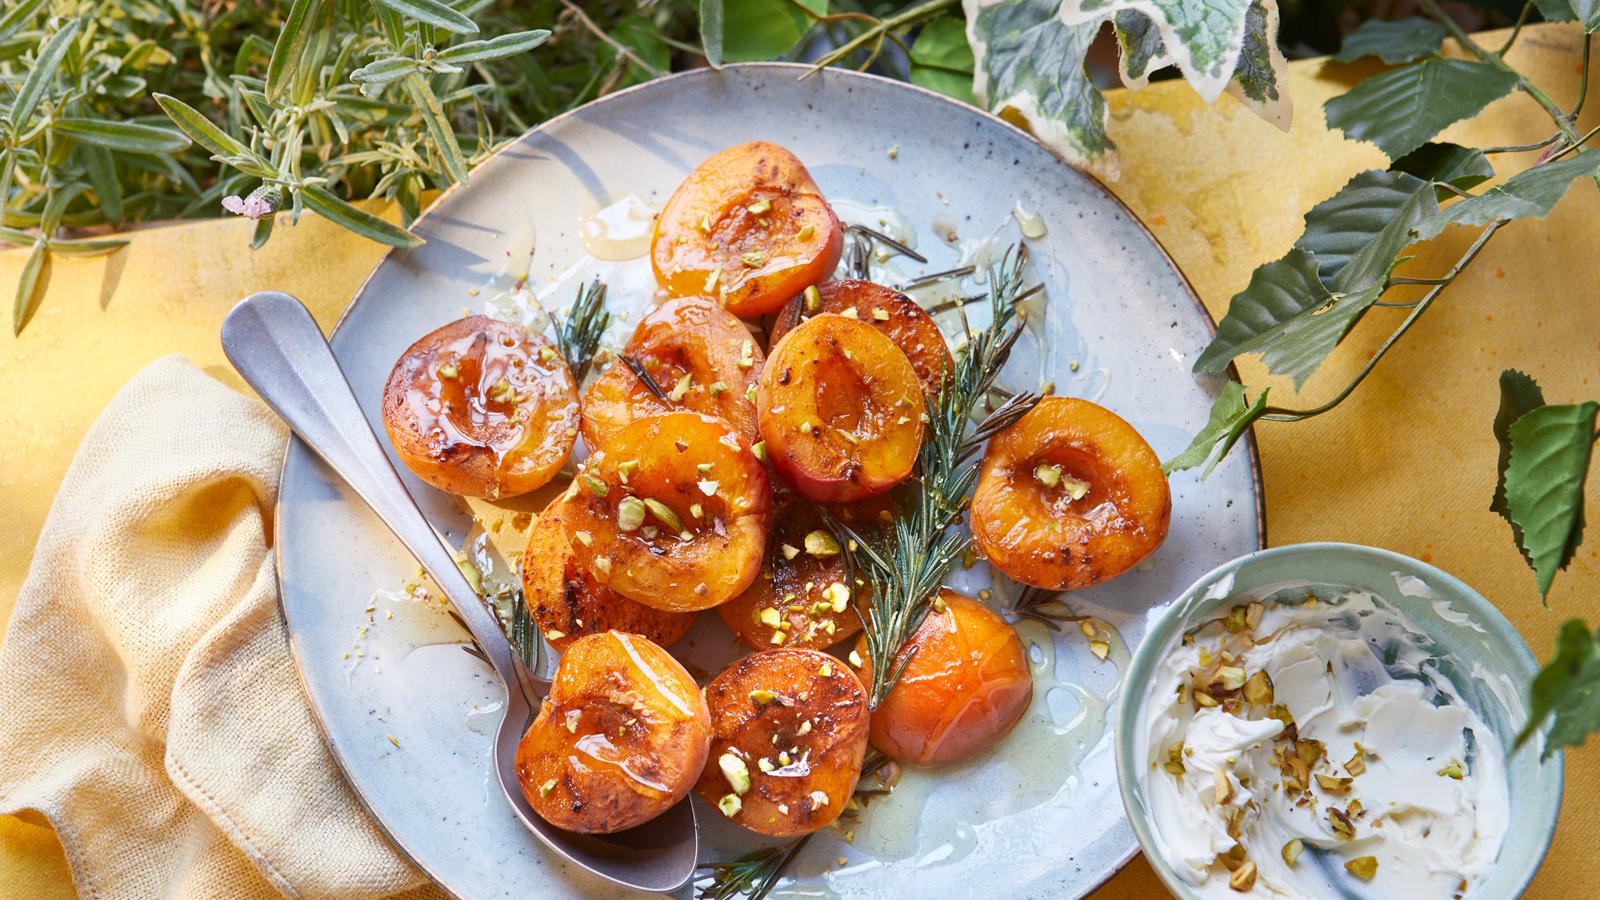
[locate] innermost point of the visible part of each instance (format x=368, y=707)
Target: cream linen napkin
x=149, y=707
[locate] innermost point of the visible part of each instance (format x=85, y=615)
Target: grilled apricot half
x=700, y=356
x=748, y=227
x=621, y=738
x=673, y=511
x=483, y=408
x=1069, y=496
x=899, y=317
x=967, y=684
x=567, y=602
x=841, y=410
x=788, y=735
x=803, y=597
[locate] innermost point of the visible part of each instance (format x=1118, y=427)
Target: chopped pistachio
x=818, y=799
x=596, y=485
x=1333, y=784
x=770, y=617
x=696, y=510
x=879, y=314
x=790, y=551
x=1204, y=698
x=762, y=696
x=821, y=543
x=851, y=313
x=603, y=563
x=1363, y=867
x=805, y=428
x=751, y=259
x=1258, y=689
x=805, y=727
x=713, y=278
x=759, y=451
x=730, y=805
x=1101, y=649
x=1356, y=764
x=826, y=670
x=837, y=595
x=704, y=224
x=1291, y=850
x=449, y=371
x=938, y=604
x=663, y=514
x=805, y=232
x=681, y=388
x=1232, y=677
x=554, y=635
x=709, y=488
x=1244, y=877
x=718, y=387
x=765, y=764
x=547, y=787
x=737, y=773
x=855, y=659
x=1453, y=770
x=630, y=514
x=546, y=354
x=779, y=637
x=1049, y=476
x=759, y=207
x=1075, y=489
x=750, y=395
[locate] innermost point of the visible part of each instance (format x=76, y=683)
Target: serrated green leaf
x=1555, y=10
x=1340, y=226
x=712, y=28
x=42, y=72
x=1550, y=450
x=439, y=127
x=128, y=137
x=1531, y=193
x=434, y=13
x=1280, y=298
x=1142, y=50
x=326, y=205
x=1230, y=416
x=289, y=47
x=1568, y=689
x=1401, y=109
x=1588, y=12
x=494, y=48
x=941, y=58
x=30, y=289
x=754, y=30
x=1393, y=42
x=1452, y=164
x=1203, y=39
x=1027, y=59
x=1519, y=395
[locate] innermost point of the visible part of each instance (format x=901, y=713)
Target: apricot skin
x=965, y=688
x=748, y=227
x=899, y=317
x=620, y=740
x=1036, y=533
x=816, y=713
x=481, y=408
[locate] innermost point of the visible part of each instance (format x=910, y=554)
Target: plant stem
x=877, y=32
x=1516, y=29
x=1284, y=414
x=597, y=31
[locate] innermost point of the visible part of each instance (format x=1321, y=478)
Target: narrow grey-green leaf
x=320, y=201
x=289, y=47
x=1566, y=690
x=56, y=207
x=1026, y=58
x=1519, y=395
x=1338, y=227
x=1401, y=109
x=1529, y=193
x=1446, y=163
x=263, y=232
x=1230, y=416
x=128, y=137
x=42, y=72
x=711, y=29
x=439, y=127
x=1550, y=450
x=102, y=170
x=17, y=15
x=30, y=289
x=89, y=247
x=434, y=13
x=1393, y=42
x=200, y=129
x=494, y=48
x=382, y=71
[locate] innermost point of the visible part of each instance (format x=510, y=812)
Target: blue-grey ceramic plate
x=1462, y=624
x=1039, y=816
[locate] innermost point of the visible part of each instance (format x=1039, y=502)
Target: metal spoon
x=275, y=344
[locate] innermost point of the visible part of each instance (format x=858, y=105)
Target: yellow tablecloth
x=1407, y=463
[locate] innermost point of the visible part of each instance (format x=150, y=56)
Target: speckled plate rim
x=1171, y=619
x=1257, y=486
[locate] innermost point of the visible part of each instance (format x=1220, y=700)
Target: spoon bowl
x=277, y=348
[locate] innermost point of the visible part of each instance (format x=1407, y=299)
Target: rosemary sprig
x=753, y=875
x=579, y=335
x=1043, y=606
x=645, y=378
x=906, y=569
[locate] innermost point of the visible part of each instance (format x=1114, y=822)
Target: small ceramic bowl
x=1462, y=623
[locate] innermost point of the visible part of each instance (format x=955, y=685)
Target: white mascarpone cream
x=1411, y=780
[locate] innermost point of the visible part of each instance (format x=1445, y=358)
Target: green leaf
x=1452, y=164
x=1519, y=395
x=1555, y=10
x=326, y=205
x=30, y=290
x=94, y=247
x=1230, y=416
x=1588, y=12
x=764, y=29
x=102, y=171
x=941, y=59
x=1340, y=226
x=1393, y=42
x=434, y=13
x=1026, y=58
x=17, y=15
x=42, y=72
x=1142, y=50
x=128, y=137
x=200, y=129
x=1203, y=39
x=494, y=48
x=1529, y=193
x=1550, y=449
x=289, y=47
x=640, y=35
x=383, y=71
x=263, y=232
x=439, y=127
x=1566, y=689
x=712, y=28
x=1401, y=109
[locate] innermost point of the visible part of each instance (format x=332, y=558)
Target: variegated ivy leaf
x=1203, y=37
x=1260, y=76
x=1027, y=59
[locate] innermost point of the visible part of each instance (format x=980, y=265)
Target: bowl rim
x=1159, y=630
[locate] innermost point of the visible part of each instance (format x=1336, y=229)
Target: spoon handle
x=274, y=343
